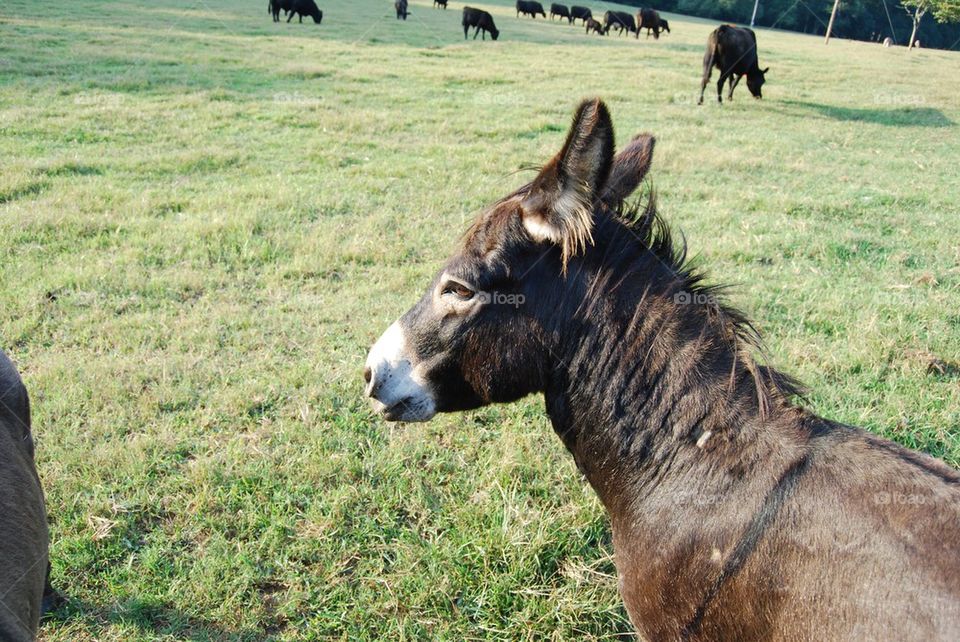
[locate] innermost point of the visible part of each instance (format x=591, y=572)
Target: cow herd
x=731, y=50
x=620, y=21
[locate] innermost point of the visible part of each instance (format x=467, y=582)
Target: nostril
x=367, y=374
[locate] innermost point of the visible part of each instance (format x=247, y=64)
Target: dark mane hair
x=653, y=233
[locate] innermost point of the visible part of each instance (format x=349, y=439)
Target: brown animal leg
x=707, y=72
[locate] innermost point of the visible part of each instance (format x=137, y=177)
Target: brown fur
x=736, y=513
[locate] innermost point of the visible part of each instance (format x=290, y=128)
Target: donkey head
x=482, y=331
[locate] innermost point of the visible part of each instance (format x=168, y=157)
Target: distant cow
x=274, y=7
x=442, y=3
x=650, y=20
x=732, y=50
x=593, y=25
x=580, y=13
x=23, y=518
x=480, y=19
x=619, y=20
x=302, y=8
x=560, y=10
x=530, y=8
x=401, y=7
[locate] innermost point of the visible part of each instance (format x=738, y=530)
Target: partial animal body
x=401, y=8
x=23, y=519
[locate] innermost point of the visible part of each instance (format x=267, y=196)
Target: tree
x=942, y=10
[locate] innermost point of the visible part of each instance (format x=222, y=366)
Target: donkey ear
x=629, y=169
x=559, y=206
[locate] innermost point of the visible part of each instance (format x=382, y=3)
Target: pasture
x=207, y=218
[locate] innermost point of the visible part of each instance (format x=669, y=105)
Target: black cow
x=560, y=10
x=530, y=8
x=593, y=25
x=732, y=50
x=274, y=7
x=442, y=3
x=302, y=8
x=401, y=7
x=480, y=19
x=651, y=21
x=582, y=13
x=619, y=20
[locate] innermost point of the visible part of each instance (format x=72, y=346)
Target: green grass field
x=207, y=218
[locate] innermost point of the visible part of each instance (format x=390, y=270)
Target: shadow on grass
x=148, y=615
x=891, y=117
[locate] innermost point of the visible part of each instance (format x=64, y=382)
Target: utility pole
x=833, y=15
x=753, y=18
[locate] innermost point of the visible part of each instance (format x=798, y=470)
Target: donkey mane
x=653, y=234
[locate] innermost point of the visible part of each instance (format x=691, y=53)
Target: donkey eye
x=459, y=290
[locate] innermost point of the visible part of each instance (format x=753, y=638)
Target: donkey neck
x=649, y=381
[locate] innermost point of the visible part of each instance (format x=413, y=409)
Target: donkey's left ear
x=559, y=206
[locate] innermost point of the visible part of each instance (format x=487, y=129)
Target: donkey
x=23, y=518
x=736, y=514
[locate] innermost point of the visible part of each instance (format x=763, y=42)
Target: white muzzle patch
x=396, y=389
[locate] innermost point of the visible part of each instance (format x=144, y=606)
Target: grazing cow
x=560, y=10
x=593, y=25
x=480, y=19
x=736, y=513
x=302, y=8
x=581, y=13
x=401, y=7
x=274, y=7
x=530, y=8
x=732, y=50
x=650, y=20
x=23, y=518
x=619, y=20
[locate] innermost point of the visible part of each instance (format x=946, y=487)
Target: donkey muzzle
x=398, y=392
